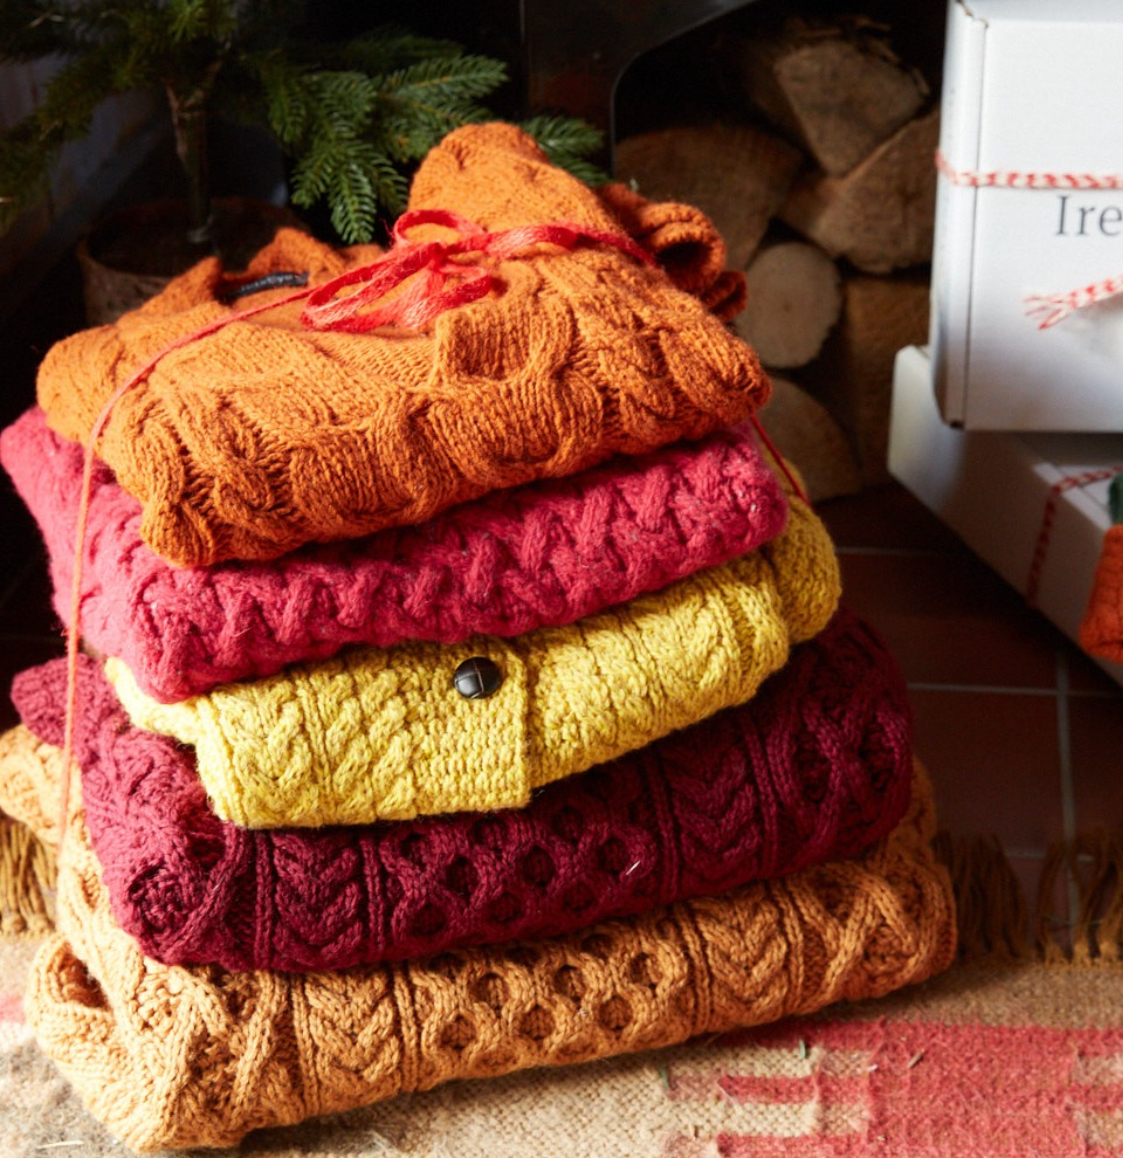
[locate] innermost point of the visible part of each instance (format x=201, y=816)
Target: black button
x=476, y=678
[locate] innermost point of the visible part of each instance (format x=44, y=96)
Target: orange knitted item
x=684, y=242
x=182, y=1058
x=266, y=434
x=1101, y=630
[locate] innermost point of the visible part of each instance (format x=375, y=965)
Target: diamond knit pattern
x=544, y=554
x=383, y=734
x=816, y=767
x=266, y=435
x=173, y=1058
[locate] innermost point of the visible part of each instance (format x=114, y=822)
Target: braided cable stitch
x=684, y=243
x=382, y=734
x=266, y=435
x=816, y=767
x=174, y=1058
x=543, y=554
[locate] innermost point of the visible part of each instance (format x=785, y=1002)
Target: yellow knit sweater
x=383, y=734
x=184, y=1058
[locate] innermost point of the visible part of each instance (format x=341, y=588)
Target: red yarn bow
x=444, y=282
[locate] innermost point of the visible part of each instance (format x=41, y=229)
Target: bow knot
x=448, y=273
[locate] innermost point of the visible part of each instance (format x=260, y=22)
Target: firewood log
x=853, y=376
x=809, y=437
x=880, y=215
x=836, y=89
x=794, y=299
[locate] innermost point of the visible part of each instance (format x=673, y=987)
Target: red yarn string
x=72, y=630
x=445, y=284
x=778, y=457
x=1027, y=180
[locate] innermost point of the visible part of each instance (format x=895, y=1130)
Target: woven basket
x=124, y=261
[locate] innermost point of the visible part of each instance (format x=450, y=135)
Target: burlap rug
x=1016, y=1051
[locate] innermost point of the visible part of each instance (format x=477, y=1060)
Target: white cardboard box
x=992, y=489
x=1029, y=86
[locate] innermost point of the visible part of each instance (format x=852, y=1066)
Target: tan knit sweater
x=182, y=1058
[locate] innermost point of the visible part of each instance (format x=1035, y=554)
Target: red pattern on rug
x=891, y=1088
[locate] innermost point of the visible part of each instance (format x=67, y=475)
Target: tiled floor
x=1020, y=731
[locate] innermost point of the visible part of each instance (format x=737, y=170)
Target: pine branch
x=354, y=117
x=355, y=180
x=188, y=19
x=567, y=142
x=322, y=118
x=287, y=108
x=342, y=102
x=417, y=106
x=384, y=50
x=75, y=91
x=32, y=29
x=444, y=81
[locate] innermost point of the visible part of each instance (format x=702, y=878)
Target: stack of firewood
x=825, y=194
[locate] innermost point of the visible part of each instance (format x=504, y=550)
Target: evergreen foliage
x=352, y=117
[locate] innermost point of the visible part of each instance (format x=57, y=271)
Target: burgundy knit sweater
x=814, y=768
x=545, y=554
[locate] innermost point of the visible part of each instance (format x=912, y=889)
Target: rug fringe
x=27, y=881
x=1093, y=864
x=991, y=913
x=993, y=916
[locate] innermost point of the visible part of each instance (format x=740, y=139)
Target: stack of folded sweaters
x=456, y=698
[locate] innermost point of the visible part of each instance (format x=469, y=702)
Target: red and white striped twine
x=1046, y=309
x=1074, y=481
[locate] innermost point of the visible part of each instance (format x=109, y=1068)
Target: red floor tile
x=1096, y=730
x=1085, y=675
x=950, y=619
x=994, y=762
x=887, y=516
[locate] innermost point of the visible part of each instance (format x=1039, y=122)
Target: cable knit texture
x=544, y=554
x=180, y=1058
x=1101, y=628
x=816, y=767
x=384, y=734
x=684, y=242
x=266, y=435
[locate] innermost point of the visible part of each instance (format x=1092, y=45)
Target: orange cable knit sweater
x=266, y=434
x=1101, y=628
